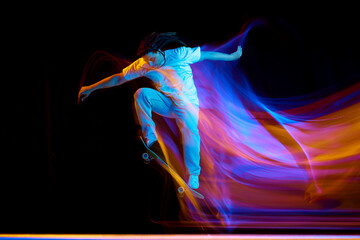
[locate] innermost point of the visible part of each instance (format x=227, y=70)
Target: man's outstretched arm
x=112, y=81
x=207, y=55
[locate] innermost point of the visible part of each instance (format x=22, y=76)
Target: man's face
x=153, y=58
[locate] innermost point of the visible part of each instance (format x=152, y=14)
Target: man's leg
x=148, y=100
x=187, y=121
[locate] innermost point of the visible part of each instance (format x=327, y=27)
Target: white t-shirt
x=174, y=79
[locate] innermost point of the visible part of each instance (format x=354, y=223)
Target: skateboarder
x=165, y=59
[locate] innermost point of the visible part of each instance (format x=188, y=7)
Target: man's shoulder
x=139, y=62
x=177, y=50
x=136, y=69
x=183, y=54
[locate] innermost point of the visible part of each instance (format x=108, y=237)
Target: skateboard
x=183, y=187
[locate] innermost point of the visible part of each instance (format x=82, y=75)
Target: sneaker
x=194, y=181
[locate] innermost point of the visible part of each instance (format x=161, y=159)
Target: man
x=166, y=60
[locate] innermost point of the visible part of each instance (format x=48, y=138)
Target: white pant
x=148, y=100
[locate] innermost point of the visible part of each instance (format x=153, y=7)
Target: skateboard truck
x=146, y=157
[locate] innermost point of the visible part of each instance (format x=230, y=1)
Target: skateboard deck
x=183, y=187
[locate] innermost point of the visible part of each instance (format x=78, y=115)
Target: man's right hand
x=84, y=93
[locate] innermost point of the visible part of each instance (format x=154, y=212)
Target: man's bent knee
x=142, y=94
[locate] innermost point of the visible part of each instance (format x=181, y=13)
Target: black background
x=77, y=169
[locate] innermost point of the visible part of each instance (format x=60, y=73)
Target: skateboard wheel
x=145, y=156
x=181, y=190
